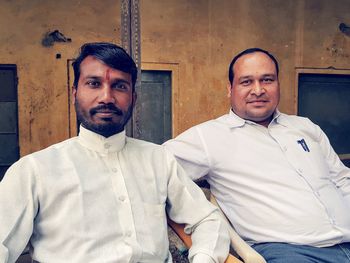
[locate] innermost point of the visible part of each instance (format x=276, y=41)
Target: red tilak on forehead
x=108, y=74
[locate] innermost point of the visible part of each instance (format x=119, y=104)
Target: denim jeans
x=288, y=253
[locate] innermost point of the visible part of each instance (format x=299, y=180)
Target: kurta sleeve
x=190, y=151
x=18, y=207
x=187, y=204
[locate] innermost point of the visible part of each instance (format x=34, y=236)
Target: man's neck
x=106, y=132
x=265, y=122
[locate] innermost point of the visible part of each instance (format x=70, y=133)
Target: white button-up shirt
x=96, y=199
x=283, y=183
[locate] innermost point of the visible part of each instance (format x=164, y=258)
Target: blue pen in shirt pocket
x=304, y=145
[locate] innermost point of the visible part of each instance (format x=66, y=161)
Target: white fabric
x=268, y=185
x=92, y=199
x=245, y=252
x=202, y=258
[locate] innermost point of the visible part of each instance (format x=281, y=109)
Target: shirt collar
x=99, y=143
x=234, y=121
x=280, y=118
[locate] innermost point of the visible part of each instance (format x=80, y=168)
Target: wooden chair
x=245, y=252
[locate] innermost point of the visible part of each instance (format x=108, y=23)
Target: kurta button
x=114, y=170
x=107, y=145
x=122, y=198
x=128, y=233
x=300, y=170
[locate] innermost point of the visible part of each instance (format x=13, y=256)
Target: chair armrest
x=179, y=230
x=246, y=252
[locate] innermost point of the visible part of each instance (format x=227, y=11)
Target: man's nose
x=258, y=89
x=106, y=95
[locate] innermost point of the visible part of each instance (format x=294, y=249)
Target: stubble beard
x=106, y=129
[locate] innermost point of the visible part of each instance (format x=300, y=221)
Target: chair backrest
x=245, y=251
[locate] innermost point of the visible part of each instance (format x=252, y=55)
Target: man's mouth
x=257, y=102
x=106, y=111
x=106, y=114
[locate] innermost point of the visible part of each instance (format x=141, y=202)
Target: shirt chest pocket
x=317, y=156
x=312, y=159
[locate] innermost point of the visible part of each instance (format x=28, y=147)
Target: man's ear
x=134, y=98
x=74, y=93
x=229, y=88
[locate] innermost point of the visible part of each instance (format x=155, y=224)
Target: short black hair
x=249, y=51
x=112, y=55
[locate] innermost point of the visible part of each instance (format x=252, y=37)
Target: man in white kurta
x=101, y=196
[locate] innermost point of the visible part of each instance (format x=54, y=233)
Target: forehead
x=93, y=67
x=254, y=63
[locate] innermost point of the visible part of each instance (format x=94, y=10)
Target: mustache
x=106, y=107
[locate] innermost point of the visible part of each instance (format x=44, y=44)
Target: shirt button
x=114, y=170
x=107, y=145
x=122, y=198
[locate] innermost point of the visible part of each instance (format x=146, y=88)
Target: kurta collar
x=101, y=144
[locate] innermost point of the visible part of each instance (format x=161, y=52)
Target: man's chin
x=260, y=114
x=104, y=125
x=260, y=118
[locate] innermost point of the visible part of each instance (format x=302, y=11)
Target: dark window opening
x=9, y=152
x=324, y=98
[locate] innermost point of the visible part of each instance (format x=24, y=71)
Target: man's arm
x=190, y=152
x=187, y=204
x=339, y=173
x=18, y=207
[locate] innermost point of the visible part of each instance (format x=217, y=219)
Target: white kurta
x=283, y=183
x=96, y=199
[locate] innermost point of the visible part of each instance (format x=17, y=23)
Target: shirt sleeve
x=18, y=207
x=202, y=258
x=190, y=151
x=187, y=204
x=339, y=173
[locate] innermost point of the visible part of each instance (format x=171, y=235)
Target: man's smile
x=258, y=102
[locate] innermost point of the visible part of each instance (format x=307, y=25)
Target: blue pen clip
x=304, y=145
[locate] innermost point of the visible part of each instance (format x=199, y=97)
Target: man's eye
x=268, y=80
x=245, y=82
x=93, y=83
x=121, y=86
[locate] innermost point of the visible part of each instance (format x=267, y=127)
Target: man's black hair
x=112, y=55
x=245, y=52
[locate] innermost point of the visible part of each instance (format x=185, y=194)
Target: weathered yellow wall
x=42, y=88
x=202, y=36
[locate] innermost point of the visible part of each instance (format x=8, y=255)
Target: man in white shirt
x=101, y=196
x=275, y=176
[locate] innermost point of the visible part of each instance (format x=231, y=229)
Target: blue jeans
x=288, y=253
